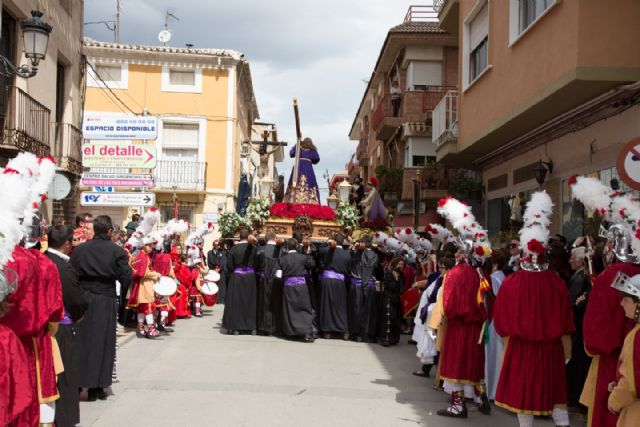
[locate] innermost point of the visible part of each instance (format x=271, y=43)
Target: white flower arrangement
x=257, y=211
x=229, y=223
x=347, y=215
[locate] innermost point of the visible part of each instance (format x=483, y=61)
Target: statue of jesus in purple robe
x=306, y=190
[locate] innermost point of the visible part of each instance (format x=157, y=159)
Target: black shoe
x=412, y=342
x=92, y=394
x=326, y=336
x=453, y=414
x=385, y=343
x=485, y=406
x=308, y=338
x=254, y=332
x=102, y=395
x=164, y=328
x=236, y=333
x=358, y=338
x=345, y=336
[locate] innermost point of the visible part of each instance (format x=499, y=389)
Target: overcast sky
x=317, y=51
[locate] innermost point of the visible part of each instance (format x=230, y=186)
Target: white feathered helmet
x=473, y=239
x=534, y=235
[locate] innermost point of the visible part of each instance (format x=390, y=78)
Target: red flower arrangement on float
x=290, y=210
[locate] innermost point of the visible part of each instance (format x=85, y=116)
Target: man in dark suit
x=75, y=304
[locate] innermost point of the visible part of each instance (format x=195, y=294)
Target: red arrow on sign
x=148, y=154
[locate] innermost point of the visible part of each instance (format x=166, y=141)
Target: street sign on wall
x=109, y=182
x=628, y=163
x=109, y=126
x=120, y=155
x=91, y=198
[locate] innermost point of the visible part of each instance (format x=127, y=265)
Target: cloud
x=319, y=52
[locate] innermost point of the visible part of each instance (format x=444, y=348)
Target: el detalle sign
x=119, y=154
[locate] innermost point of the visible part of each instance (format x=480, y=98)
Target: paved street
x=201, y=377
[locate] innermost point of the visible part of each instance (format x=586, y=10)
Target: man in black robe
x=241, y=302
x=99, y=263
x=335, y=263
x=362, y=292
x=269, y=286
x=297, y=312
x=68, y=406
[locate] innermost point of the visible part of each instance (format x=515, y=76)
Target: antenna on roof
x=165, y=35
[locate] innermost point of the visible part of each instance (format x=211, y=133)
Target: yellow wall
x=144, y=90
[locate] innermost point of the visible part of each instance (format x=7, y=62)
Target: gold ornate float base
x=319, y=230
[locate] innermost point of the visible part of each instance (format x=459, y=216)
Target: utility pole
x=117, y=29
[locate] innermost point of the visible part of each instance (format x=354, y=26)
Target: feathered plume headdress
x=147, y=223
x=593, y=194
x=440, y=233
x=203, y=230
x=463, y=220
x=535, y=233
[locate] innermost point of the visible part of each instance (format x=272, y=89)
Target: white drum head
x=209, y=288
x=165, y=286
x=212, y=276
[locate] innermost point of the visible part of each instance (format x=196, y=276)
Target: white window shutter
x=479, y=27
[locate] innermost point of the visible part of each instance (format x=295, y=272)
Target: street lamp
x=541, y=170
x=35, y=37
x=332, y=201
x=344, y=190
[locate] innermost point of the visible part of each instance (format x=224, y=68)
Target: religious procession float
x=301, y=210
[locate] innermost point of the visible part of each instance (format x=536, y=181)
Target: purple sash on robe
x=355, y=281
x=294, y=281
x=66, y=320
x=330, y=274
x=242, y=270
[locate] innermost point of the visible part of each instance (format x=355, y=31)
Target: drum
x=410, y=300
x=212, y=276
x=209, y=292
x=165, y=286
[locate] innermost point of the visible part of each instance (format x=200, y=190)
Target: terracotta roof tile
x=165, y=49
x=418, y=27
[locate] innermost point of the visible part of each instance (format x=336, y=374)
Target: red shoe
x=153, y=332
x=141, y=332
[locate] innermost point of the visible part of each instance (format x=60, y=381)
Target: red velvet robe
x=604, y=328
x=162, y=265
x=533, y=310
x=182, y=301
x=462, y=359
x=140, y=265
x=16, y=388
x=36, y=302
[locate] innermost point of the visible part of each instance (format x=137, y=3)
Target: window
x=478, y=59
x=530, y=10
x=479, y=42
x=181, y=80
x=186, y=211
x=421, y=74
x=177, y=77
x=114, y=76
x=180, y=136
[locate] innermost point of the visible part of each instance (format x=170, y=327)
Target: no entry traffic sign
x=91, y=198
x=628, y=163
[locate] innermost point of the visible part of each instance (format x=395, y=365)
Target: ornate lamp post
x=332, y=201
x=35, y=37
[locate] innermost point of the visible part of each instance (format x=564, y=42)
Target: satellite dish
x=164, y=36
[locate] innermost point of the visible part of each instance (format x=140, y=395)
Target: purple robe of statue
x=307, y=188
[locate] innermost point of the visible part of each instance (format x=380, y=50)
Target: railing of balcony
x=421, y=14
x=445, y=119
x=383, y=109
x=26, y=125
x=438, y=5
x=68, y=147
x=180, y=175
x=432, y=97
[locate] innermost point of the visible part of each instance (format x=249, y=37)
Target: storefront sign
x=98, y=126
x=90, y=198
x=628, y=163
x=122, y=154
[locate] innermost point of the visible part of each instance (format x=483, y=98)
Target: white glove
x=279, y=274
x=566, y=360
x=432, y=334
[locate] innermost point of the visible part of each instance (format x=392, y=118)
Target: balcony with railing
x=67, y=149
x=180, y=175
x=434, y=183
x=421, y=13
x=416, y=106
x=362, y=152
x=445, y=120
x=26, y=125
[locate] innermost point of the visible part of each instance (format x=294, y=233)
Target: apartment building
x=43, y=114
x=419, y=62
x=547, y=89
x=205, y=105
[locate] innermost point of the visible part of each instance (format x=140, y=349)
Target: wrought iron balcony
x=68, y=147
x=180, y=175
x=445, y=119
x=26, y=125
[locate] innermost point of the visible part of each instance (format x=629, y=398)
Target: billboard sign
x=120, y=126
x=92, y=198
x=120, y=155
